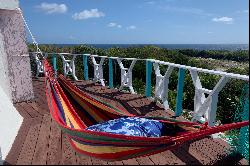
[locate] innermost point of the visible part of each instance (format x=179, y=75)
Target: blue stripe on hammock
x=59, y=105
x=71, y=125
x=78, y=108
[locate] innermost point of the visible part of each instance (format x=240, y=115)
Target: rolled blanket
x=132, y=126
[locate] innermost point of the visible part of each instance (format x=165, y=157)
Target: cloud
x=150, y=2
x=209, y=32
x=148, y=20
x=113, y=24
x=227, y=20
x=188, y=10
x=131, y=27
x=243, y=11
x=86, y=14
x=71, y=37
x=51, y=8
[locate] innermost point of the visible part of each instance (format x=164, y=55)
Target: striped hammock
x=74, y=111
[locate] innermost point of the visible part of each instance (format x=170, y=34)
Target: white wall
x=16, y=51
x=15, y=80
x=10, y=122
x=5, y=82
x=9, y=4
x=1, y=161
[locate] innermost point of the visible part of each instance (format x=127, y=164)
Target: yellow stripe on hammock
x=68, y=115
x=87, y=108
x=67, y=121
x=102, y=149
x=93, y=102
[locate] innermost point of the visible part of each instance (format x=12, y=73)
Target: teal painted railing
x=148, y=78
x=54, y=62
x=111, y=84
x=86, y=68
x=180, y=87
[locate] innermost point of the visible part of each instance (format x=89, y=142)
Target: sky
x=138, y=21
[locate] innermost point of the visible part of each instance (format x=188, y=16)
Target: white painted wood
x=10, y=122
x=199, y=97
x=204, y=90
x=98, y=69
x=206, y=106
x=39, y=64
x=215, y=72
x=221, y=73
x=161, y=86
x=9, y=4
x=126, y=75
x=69, y=65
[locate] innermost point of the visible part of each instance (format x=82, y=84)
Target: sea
x=231, y=47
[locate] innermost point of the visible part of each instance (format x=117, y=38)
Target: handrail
x=205, y=106
x=216, y=72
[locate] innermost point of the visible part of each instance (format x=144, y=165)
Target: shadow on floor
x=232, y=159
x=139, y=105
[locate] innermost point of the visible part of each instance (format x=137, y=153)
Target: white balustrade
x=39, y=64
x=98, y=69
x=69, y=65
x=215, y=72
x=126, y=75
x=206, y=106
x=161, y=86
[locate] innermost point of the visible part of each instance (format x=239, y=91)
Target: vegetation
x=228, y=99
x=239, y=55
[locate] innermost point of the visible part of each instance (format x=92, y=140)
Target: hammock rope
x=32, y=36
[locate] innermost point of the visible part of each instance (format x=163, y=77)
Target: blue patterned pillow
x=132, y=126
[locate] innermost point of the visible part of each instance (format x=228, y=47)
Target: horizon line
x=149, y=43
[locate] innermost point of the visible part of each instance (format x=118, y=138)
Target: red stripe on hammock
x=71, y=109
x=116, y=155
x=91, y=107
x=71, y=86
